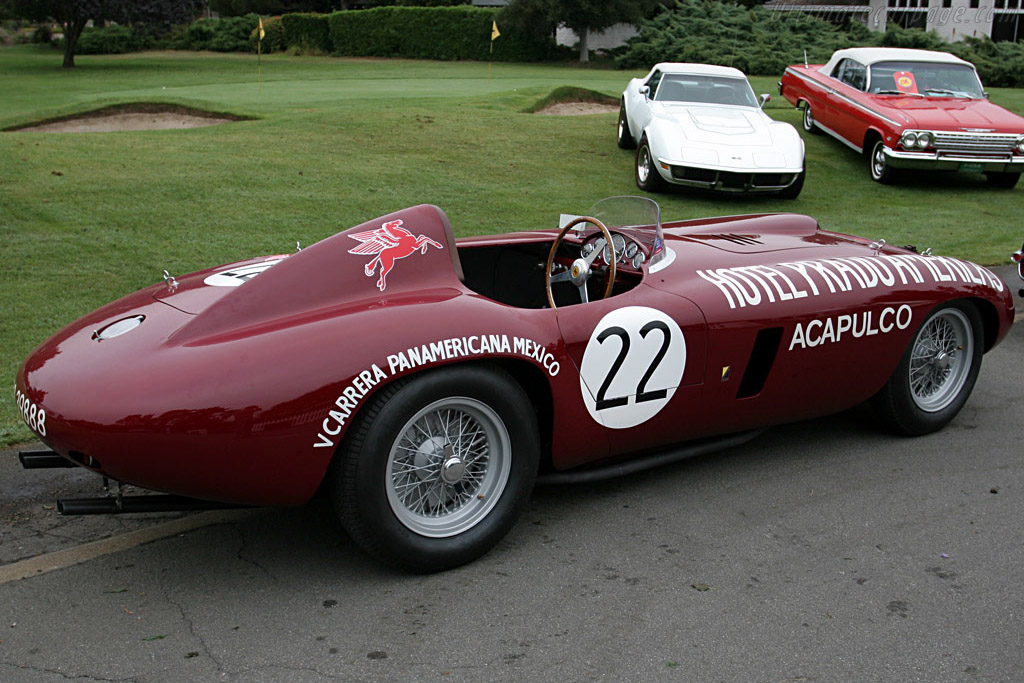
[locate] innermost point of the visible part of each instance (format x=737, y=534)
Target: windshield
x=925, y=79
x=706, y=90
x=639, y=217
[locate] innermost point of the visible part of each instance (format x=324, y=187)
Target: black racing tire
x=793, y=191
x=437, y=468
x=647, y=176
x=878, y=165
x=1006, y=181
x=625, y=138
x=808, y=120
x=936, y=374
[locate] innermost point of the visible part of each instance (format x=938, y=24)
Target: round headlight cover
x=1020, y=144
x=122, y=326
x=924, y=139
x=909, y=138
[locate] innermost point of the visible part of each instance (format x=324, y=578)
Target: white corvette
x=701, y=125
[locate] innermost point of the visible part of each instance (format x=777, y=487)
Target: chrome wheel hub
x=452, y=470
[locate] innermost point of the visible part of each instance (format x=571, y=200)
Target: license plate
x=971, y=168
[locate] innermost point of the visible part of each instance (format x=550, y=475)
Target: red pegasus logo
x=389, y=242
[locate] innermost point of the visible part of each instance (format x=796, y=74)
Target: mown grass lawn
x=85, y=218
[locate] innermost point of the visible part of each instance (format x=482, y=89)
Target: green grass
x=86, y=218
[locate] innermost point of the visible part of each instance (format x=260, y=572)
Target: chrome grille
x=975, y=143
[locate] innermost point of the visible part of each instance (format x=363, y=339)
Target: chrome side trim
x=832, y=91
x=839, y=137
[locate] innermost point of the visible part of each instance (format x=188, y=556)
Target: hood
x=935, y=113
x=720, y=125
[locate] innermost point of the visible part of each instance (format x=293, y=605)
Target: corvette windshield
x=925, y=79
x=705, y=90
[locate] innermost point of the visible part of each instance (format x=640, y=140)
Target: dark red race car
x=1018, y=258
x=909, y=109
x=428, y=382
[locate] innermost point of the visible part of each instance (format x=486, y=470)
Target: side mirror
x=645, y=91
x=765, y=99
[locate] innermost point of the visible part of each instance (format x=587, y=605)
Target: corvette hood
x=720, y=125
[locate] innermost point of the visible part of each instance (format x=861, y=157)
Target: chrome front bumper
x=938, y=161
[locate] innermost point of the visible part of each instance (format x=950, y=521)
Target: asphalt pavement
x=826, y=550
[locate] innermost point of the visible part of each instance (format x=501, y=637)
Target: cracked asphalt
x=821, y=551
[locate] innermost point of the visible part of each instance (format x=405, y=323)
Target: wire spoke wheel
x=448, y=467
x=940, y=360
x=437, y=467
x=937, y=372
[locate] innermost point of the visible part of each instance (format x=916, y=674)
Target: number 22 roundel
x=632, y=365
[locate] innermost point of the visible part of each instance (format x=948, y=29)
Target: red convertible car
x=427, y=382
x=909, y=109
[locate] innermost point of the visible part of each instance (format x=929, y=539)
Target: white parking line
x=41, y=564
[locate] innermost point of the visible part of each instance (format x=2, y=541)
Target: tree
x=584, y=16
x=73, y=15
x=238, y=8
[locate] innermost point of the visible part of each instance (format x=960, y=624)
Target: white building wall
x=959, y=20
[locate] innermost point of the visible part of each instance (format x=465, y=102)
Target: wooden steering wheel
x=579, y=272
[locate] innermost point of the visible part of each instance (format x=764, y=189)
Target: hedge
x=307, y=33
x=416, y=3
x=446, y=33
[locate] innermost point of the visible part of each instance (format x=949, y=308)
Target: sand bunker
x=132, y=117
x=117, y=122
x=577, y=108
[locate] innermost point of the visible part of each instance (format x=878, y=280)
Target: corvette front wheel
x=647, y=177
x=936, y=374
x=437, y=468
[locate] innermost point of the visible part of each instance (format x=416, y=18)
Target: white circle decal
x=234, y=277
x=632, y=365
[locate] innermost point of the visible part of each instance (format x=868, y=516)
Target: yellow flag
x=262, y=32
x=494, y=30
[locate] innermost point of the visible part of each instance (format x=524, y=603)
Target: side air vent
x=738, y=239
x=762, y=357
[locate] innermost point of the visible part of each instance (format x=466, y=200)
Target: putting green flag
x=494, y=31
x=262, y=32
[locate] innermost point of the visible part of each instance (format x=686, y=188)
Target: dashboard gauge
x=638, y=259
x=619, y=243
x=587, y=249
x=630, y=250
